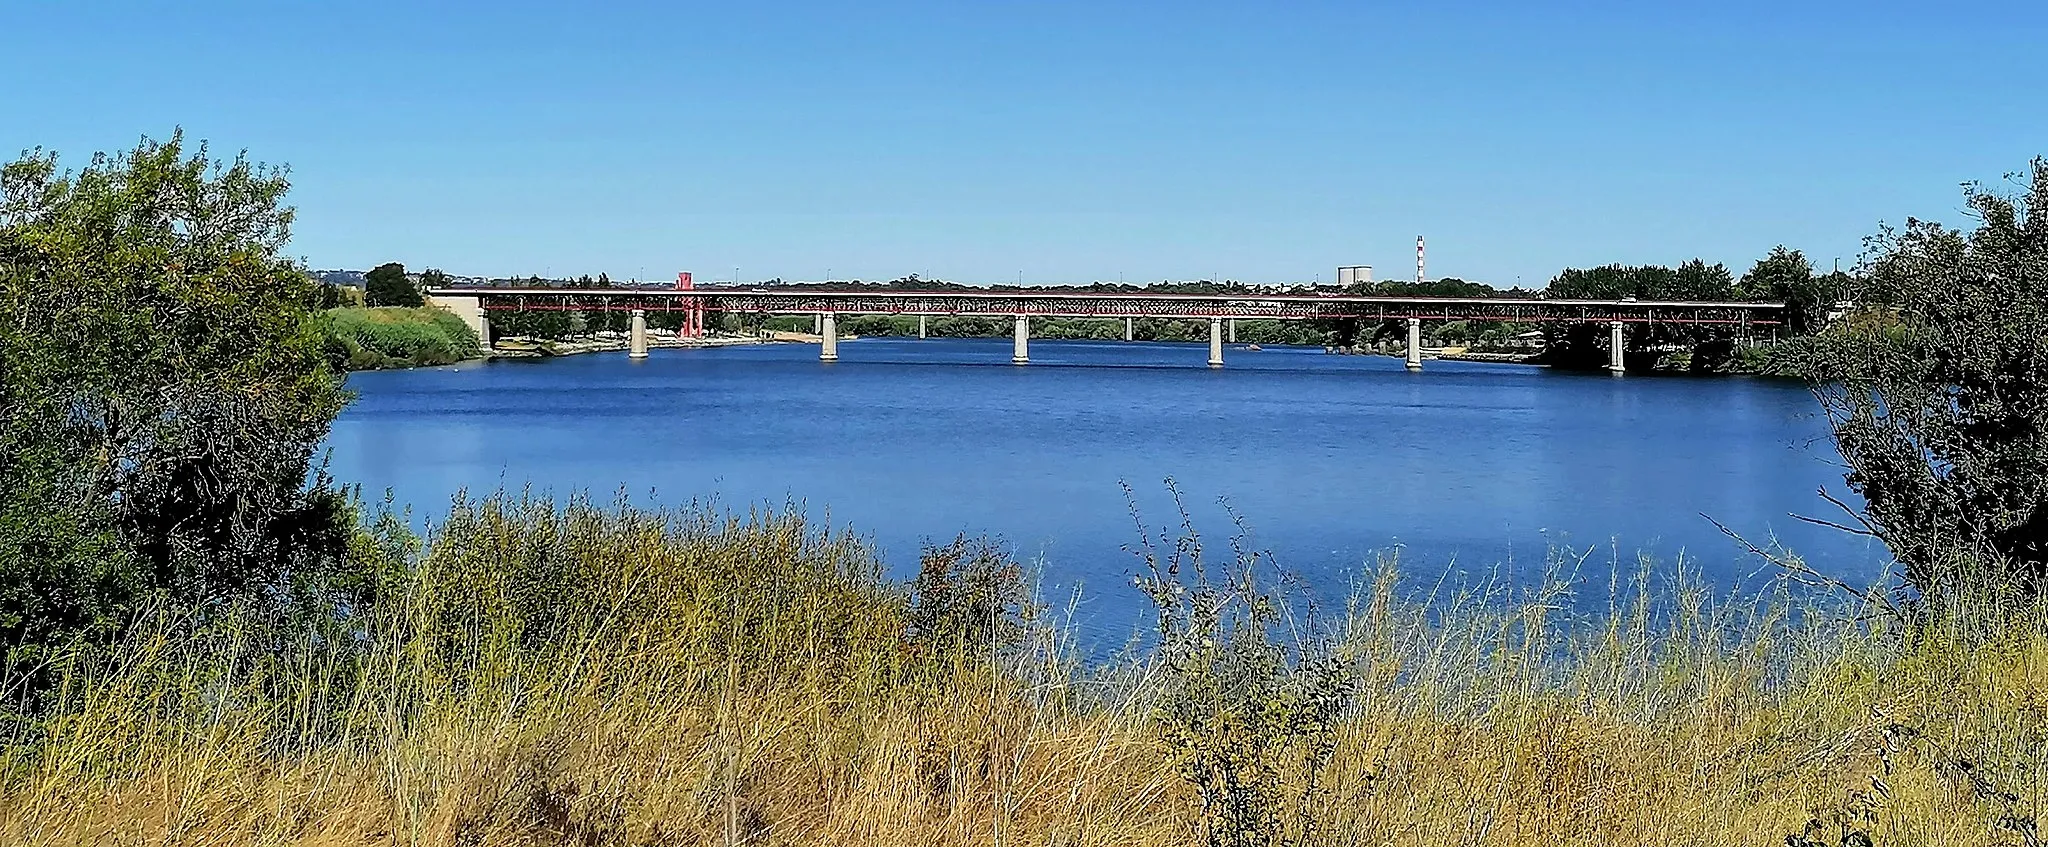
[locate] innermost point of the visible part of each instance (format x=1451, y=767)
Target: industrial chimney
x=1418, y=259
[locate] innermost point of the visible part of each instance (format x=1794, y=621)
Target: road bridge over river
x=1739, y=319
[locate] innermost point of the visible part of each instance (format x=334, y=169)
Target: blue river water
x=1328, y=460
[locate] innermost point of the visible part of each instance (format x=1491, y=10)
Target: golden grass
x=600, y=678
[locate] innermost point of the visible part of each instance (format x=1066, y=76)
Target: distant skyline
x=1065, y=142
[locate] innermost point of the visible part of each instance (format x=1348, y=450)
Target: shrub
x=1937, y=391
x=1249, y=718
x=162, y=394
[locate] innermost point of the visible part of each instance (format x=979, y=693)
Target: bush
x=1938, y=396
x=163, y=390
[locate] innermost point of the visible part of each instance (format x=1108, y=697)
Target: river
x=1328, y=460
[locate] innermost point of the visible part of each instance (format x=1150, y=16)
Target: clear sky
x=1063, y=141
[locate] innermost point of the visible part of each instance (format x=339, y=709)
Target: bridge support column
x=1215, y=342
x=1617, y=346
x=1233, y=330
x=1130, y=329
x=1415, y=344
x=828, y=337
x=920, y=326
x=636, y=344
x=1020, y=353
x=818, y=324
x=470, y=310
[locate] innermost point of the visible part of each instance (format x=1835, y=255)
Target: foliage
x=968, y=595
x=1695, y=280
x=616, y=676
x=394, y=337
x=1787, y=277
x=162, y=392
x=1940, y=404
x=387, y=285
x=1445, y=287
x=1249, y=720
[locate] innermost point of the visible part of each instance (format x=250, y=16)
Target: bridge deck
x=1123, y=305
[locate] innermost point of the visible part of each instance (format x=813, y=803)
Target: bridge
x=473, y=304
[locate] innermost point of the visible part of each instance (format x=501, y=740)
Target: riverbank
x=535, y=676
x=389, y=337
x=527, y=348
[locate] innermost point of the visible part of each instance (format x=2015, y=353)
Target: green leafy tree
x=162, y=394
x=1700, y=282
x=387, y=285
x=331, y=296
x=1786, y=276
x=431, y=278
x=1937, y=390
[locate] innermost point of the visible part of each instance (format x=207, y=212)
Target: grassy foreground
x=587, y=676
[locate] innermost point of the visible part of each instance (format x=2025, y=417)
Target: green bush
x=394, y=337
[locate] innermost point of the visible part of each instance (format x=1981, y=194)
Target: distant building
x=1350, y=275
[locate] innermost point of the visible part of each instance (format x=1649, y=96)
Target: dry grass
x=597, y=678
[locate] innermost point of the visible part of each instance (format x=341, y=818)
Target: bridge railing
x=1127, y=305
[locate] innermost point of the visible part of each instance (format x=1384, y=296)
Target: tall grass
x=537, y=675
x=395, y=337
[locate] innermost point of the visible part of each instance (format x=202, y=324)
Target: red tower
x=693, y=309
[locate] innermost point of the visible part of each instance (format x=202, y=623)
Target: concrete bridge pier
x=1020, y=353
x=1130, y=329
x=818, y=324
x=828, y=337
x=1617, y=346
x=1233, y=330
x=1215, y=342
x=470, y=310
x=920, y=326
x=1415, y=344
x=636, y=344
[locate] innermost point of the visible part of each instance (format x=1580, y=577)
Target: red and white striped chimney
x=1418, y=258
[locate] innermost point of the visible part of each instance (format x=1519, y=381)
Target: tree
x=1787, y=277
x=387, y=286
x=1937, y=391
x=430, y=279
x=330, y=295
x=1700, y=282
x=162, y=394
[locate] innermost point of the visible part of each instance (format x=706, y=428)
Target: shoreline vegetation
x=204, y=639
x=541, y=673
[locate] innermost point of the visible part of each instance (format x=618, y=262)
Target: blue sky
x=1063, y=141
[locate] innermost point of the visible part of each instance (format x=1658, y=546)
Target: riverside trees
x=387, y=285
x=162, y=392
x=1937, y=391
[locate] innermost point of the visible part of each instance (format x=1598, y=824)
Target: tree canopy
x=387, y=285
x=162, y=392
x=1937, y=390
x=1695, y=280
x=1786, y=276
